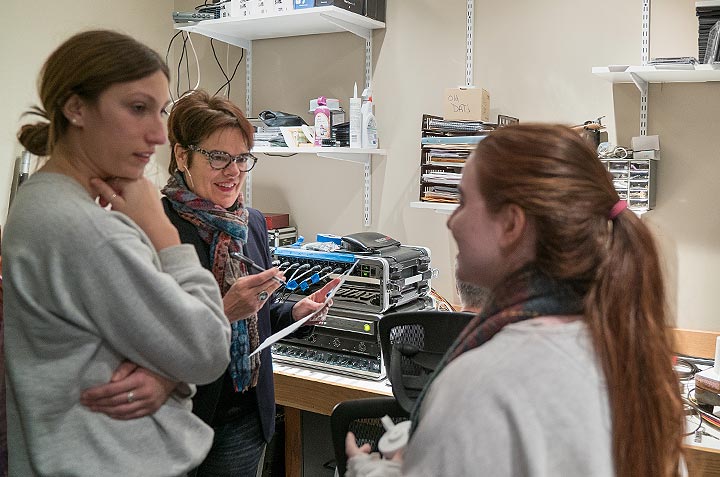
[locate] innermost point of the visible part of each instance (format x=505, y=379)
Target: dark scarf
x=226, y=231
x=526, y=293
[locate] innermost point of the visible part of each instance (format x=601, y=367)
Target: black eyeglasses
x=220, y=160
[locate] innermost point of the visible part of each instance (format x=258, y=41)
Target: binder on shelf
x=456, y=140
x=446, y=145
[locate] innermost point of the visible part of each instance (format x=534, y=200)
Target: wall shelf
x=439, y=207
x=360, y=156
x=642, y=75
x=307, y=21
x=241, y=32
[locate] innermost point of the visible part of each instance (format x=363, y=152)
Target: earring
x=73, y=120
x=186, y=171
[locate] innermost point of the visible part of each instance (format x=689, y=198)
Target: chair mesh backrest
x=369, y=430
x=432, y=333
x=363, y=418
x=409, y=334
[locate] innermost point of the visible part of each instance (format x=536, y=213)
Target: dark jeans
x=236, y=450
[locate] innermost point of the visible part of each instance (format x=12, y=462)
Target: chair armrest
x=362, y=414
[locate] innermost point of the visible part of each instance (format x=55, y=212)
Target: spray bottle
x=369, y=125
x=322, y=121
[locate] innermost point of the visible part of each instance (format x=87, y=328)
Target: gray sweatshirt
x=531, y=402
x=85, y=290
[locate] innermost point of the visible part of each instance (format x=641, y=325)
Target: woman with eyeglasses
x=210, y=139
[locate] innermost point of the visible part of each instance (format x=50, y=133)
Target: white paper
x=290, y=329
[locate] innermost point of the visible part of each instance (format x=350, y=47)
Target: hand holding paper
x=315, y=315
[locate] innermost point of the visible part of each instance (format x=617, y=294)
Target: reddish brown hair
x=557, y=179
x=197, y=115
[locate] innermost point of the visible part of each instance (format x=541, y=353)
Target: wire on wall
x=228, y=80
x=184, y=55
x=222, y=70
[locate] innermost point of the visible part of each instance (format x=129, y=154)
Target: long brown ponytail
x=557, y=179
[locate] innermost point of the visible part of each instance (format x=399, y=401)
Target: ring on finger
x=263, y=295
x=130, y=397
x=113, y=197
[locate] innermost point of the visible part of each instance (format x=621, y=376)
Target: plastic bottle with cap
x=323, y=124
x=369, y=136
x=355, y=120
x=395, y=438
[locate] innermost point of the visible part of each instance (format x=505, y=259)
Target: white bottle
x=395, y=438
x=355, y=120
x=369, y=125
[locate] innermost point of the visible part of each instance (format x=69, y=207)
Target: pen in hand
x=249, y=263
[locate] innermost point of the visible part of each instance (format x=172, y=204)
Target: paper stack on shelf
x=446, y=146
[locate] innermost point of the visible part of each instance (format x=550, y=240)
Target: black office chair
x=412, y=344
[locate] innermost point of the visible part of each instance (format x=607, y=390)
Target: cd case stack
x=341, y=133
x=708, y=13
x=446, y=146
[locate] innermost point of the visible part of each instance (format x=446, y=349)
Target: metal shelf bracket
x=641, y=84
x=365, y=33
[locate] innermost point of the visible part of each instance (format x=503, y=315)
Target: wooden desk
x=703, y=459
x=299, y=389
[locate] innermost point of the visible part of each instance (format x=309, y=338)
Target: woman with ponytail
x=97, y=286
x=568, y=368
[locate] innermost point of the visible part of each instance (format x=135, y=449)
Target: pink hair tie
x=619, y=206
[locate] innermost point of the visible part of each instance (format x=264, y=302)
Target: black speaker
x=375, y=9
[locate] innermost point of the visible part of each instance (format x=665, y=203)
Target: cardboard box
x=466, y=103
x=355, y=6
x=276, y=221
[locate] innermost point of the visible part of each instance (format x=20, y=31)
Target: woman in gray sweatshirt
x=95, y=275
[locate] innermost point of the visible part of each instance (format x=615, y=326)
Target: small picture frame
x=297, y=136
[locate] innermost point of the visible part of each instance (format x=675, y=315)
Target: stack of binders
x=446, y=146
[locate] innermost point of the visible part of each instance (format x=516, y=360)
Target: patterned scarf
x=527, y=293
x=226, y=231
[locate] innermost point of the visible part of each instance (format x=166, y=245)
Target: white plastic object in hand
x=395, y=438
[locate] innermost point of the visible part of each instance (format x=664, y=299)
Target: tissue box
x=297, y=4
x=465, y=103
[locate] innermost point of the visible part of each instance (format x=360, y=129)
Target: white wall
x=535, y=59
x=32, y=30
